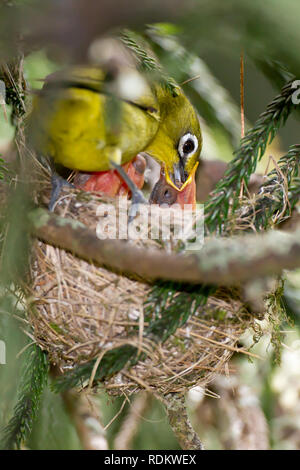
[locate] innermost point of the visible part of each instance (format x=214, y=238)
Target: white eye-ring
x=188, y=145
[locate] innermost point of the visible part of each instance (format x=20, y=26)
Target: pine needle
x=33, y=381
x=225, y=197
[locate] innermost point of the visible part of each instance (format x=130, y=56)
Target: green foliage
x=279, y=194
x=249, y=25
x=275, y=71
x=147, y=62
x=212, y=100
x=15, y=88
x=277, y=316
x=15, y=242
x=53, y=428
x=225, y=197
x=169, y=306
x=15, y=97
x=112, y=362
x=37, y=66
x=2, y=169
x=34, y=378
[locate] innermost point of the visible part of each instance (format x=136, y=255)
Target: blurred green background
x=216, y=33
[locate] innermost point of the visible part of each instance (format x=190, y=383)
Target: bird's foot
x=137, y=197
x=57, y=183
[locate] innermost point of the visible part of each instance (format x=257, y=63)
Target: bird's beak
x=177, y=179
x=186, y=192
x=110, y=182
x=166, y=192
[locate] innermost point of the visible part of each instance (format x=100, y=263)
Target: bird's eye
x=188, y=145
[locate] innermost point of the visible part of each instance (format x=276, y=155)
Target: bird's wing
x=127, y=85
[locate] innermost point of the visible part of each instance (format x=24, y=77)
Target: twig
x=180, y=423
x=242, y=95
x=131, y=423
x=86, y=420
x=117, y=414
x=221, y=261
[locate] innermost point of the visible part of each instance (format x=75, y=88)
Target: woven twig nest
x=79, y=311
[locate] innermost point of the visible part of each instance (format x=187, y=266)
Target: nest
x=79, y=311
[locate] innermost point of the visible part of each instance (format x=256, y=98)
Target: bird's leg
x=57, y=183
x=137, y=196
x=109, y=182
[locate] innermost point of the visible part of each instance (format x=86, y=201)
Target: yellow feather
x=69, y=122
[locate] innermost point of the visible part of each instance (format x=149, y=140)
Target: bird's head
x=177, y=144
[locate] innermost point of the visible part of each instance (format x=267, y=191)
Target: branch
x=85, y=417
x=179, y=421
x=237, y=415
x=221, y=261
x=240, y=415
x=250, y=151
x=277, y=196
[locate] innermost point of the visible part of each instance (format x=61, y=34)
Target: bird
x=87, y=120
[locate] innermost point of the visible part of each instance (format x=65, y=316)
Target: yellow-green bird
x=71, y=123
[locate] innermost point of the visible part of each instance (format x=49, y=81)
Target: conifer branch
x=147, y=62
x=252, y=148
x=179, y=421
x=33, y=381
x=278, y=195
x=217, y=106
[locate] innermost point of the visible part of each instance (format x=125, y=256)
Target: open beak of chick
x=174, y=188
x=110, y=182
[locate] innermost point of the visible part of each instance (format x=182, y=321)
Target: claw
x=57, y=183
x=137, y=196
x=136, y=193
